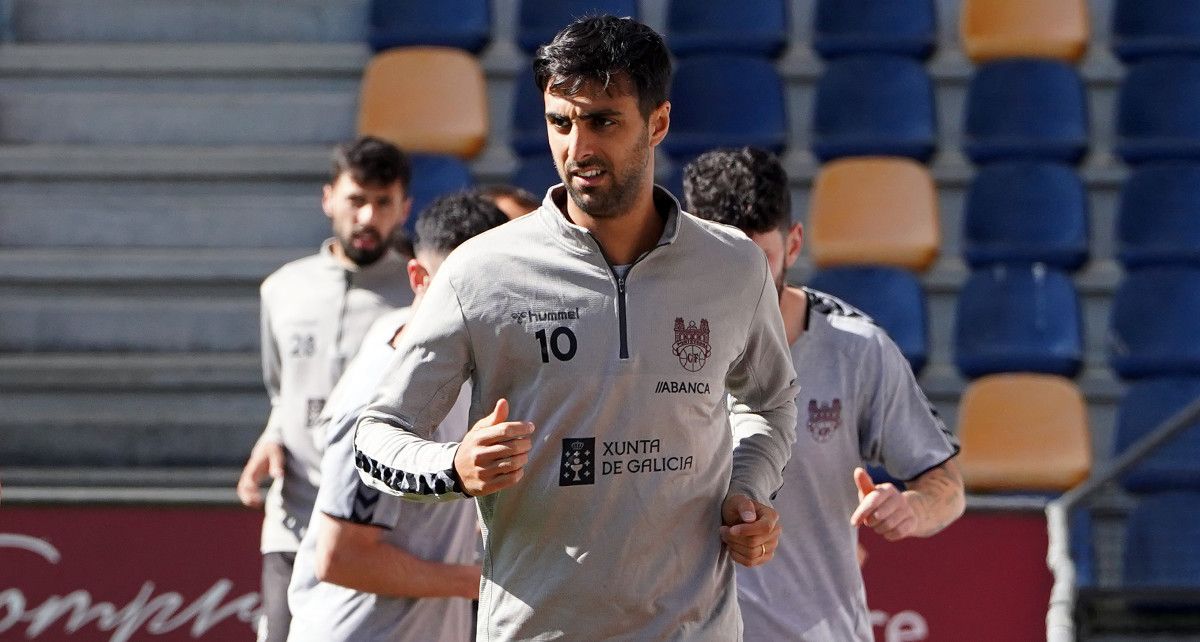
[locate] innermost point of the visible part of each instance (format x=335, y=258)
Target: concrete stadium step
x=121, y=484
x=161, y=162
x=131, y=319
x=190, y=115
x=34, y=372
x=188, y=60
x=240, y=270
x=187, y=20
x=120, y=428
x=150, y=214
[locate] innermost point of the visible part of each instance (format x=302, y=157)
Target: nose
x=581, y=145
x=365, y=214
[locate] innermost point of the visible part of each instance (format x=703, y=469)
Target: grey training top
x=314, y=313
x=445, y=532
x=614, y=529
x=859, y=403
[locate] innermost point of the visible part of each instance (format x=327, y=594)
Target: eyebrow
x=588, y=115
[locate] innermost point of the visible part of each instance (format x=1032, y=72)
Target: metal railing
x=1060, y=623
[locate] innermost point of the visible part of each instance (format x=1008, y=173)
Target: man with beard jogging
x=315, y=312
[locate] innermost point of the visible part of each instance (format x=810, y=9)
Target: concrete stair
x=159, y=157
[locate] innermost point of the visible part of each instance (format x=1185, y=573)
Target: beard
x=372, y=250
x=616, y=199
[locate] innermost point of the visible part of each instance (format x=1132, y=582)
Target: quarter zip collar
x=578, y=239
x=386, y=265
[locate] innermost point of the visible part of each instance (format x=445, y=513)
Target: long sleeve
x=271, y=367
x=762, y=387
x=393, y=450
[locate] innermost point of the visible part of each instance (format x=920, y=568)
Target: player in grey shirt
x=615, y=502
x=372, y=567
x=314, y=314
x=859, y=403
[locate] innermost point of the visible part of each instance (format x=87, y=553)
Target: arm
x=762, y=387
x=932, y=502
x=903, y=431
x=267, y=457
x=355, y=556
x=393, y=450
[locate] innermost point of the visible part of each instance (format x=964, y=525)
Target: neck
x=625, y=237
x=794, y=306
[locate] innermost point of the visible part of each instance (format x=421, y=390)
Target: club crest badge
x=824, y=420
x=691, y=344
x=313, y=411
x=578, y=461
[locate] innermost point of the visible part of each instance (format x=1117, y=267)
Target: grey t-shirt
x=858, y=403
x=315, y=312
x=444, y=532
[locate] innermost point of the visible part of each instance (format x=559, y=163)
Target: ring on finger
x=763, y=551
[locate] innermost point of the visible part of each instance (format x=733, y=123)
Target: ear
x=792, y=244
x=660, y=122
x=405, y=210
x=418, y=277
x=327, y=200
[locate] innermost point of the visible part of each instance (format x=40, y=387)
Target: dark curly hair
x=371, y=161
x=746, y=188
x=450, y=220
x=604, y=49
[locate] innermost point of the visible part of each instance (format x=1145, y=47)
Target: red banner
x=982, y=579
x=116, y=574
x=128, y=573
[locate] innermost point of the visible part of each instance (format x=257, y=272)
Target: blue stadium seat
x=1160, y=542
x=536, y=174
x=434, y=175
x=1026, y=108
x=752, y=27
x=874, y=105
x=528, y=118
x=465, y=24
x=1146, y=405
x=1158, y=219
x=726, y=101
x=1030, y=211
x=891, y=296
x=1155, y=28
x=1079, y=527
x=1154, y=330
x=1158, y=111
x=539, y=20
x=1018, y=318
x=900, y=27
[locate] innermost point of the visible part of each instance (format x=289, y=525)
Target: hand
x=493, y=453
x=883, y=508
x=266, y=459
x=750, y=530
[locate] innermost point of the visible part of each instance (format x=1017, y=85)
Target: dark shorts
x=276, y=618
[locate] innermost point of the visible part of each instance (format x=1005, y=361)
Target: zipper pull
x=621, y=285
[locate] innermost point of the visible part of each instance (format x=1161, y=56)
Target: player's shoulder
x=844, y=320
x=297, y=271
x=718, y=240
x=494, y=245
x=850, y=330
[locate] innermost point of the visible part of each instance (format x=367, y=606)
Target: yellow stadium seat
x=874, y=210
x=429, y=100
x=1023, y=432
x=992, y=29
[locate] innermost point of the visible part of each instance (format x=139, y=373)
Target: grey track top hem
x=614, y=529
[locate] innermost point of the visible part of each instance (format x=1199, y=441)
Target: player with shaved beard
x=315, y=312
